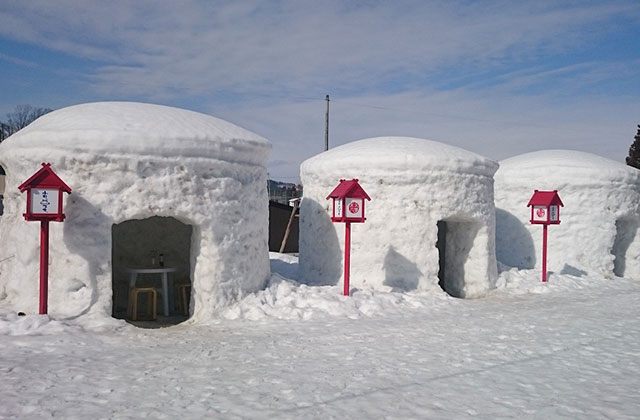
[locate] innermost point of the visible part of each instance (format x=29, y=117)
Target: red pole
x=544, y=253
x=347, y=256
x=44, y=266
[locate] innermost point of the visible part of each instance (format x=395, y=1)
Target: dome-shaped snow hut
x=430, y=222
x=599, y=221
x=153, y=186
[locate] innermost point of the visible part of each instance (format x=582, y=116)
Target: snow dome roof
x=578, y=166
x=138, y=128
x=390, y=153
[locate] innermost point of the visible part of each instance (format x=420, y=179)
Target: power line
x=414, y=111
x=467, y=118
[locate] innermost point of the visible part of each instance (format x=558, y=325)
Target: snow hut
x=600, y=218
x=430, y=222
x=153, y=186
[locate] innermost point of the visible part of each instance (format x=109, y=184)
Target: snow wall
x=599, y=221
x=430, y=222
x=128, y=161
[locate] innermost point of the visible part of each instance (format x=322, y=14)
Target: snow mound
x=143, y=129
x=13, y=324
x=287, y=300
x=516, y=282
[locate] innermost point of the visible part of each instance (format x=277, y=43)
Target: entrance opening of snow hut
x=626, y=231
x=454, y=244
x=143, y=251
x=2, y=175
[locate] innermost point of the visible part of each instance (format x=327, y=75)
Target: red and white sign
x=545, y=211
x=337, y=208
x=44, y=204
x=354, y=207
x=348, y=207
x=545, y=207
x=348, y=202
x=44, y=195
x=539, y=213
x=44, y=201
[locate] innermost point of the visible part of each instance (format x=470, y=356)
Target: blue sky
x=499, y=78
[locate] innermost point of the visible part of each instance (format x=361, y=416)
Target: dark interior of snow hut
x=454, y=243
x=151, y=258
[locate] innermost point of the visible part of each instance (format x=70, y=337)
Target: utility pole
x=326, y=127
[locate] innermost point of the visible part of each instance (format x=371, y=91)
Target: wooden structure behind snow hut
x=600, y=218
x=151, y=184
x=430, y=222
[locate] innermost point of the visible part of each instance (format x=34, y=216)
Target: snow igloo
x=430, y=222
x=599, y=221
x=149, y=182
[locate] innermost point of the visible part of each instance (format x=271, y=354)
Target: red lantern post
x=348, y=207
x=545, y=211
x=44, y=204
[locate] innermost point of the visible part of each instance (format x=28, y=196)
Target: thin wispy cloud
x=303, y=45
x=18, y=61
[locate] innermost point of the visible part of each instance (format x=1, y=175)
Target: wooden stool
x=184, y=296
x=152, y=302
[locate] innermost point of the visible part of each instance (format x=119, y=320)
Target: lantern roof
x=45, y=178
x=545, y=198
x=348, y=188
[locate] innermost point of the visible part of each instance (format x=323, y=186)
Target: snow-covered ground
x=569, y=349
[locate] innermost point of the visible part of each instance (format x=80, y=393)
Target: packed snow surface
x=568, y=349
x=599, y=221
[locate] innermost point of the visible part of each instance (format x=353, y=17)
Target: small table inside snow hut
x=133, y=276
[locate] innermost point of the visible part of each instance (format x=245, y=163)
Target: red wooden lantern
x=545, y=207
x=348, y=202
x=44, y=195
x=545, y=211
x=348, y=206
x=44, y=204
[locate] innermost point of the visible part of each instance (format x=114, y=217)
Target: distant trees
x=4, y=131
x=20, y=117
x=634, y=151
x=282, y=192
